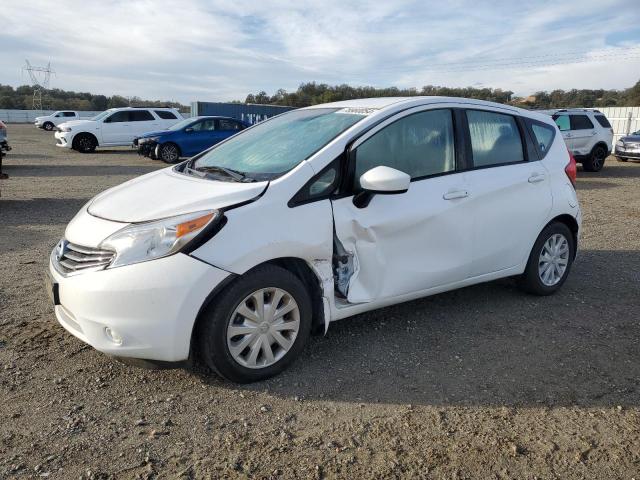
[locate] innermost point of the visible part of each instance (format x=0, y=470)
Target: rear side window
x=580, y=122
x=562, y=121
x=543, y=136
x=165, y=115
x=140, y=116
x=420, y=145
x=204, y=126
x=495, y=138
x=602, y=120
x=226, y=124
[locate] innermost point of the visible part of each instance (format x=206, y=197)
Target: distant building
x=247, y=112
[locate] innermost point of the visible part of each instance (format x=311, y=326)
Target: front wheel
x=549, y=261
x=168, y=153
x=85, y=143
x=257, y=326
x=48, y=126
x=595, y=161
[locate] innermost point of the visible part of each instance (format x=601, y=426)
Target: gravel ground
x=484, y=382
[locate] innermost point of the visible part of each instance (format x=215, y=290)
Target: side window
x=602, y=120
x=420, y=144
x=204, y=126
x=69, y=114
x=543, y=135
x=122, y=116
x=226, y=124
x=581, y=122
x=562, y=121
x=140, y=116
x=495, y=138
x=57, y=115
x=165, y=115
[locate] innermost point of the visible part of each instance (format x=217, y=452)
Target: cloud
x=220, y=50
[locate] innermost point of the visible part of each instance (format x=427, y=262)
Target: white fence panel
x=624, y=120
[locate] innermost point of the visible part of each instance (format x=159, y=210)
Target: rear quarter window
x=602, y=120
x=165, y=115
x=543, y=136
x=140, y=116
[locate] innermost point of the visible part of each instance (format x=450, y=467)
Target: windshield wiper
x=236, y=175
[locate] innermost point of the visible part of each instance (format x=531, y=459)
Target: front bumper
x=151, y=306
x=627, y=152
x=63, y=139
x=146, y=148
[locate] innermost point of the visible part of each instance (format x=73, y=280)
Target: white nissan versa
x=313, y=216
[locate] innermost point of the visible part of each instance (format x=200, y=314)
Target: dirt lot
x=485, y=382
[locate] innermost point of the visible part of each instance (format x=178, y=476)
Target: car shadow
x=489, y=344
x=615, y=169
x=593, y=185
x=37, y=211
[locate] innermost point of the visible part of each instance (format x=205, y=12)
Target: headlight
x=148, y=139
x=141, y=242
x=620, y=143
x=64, y=129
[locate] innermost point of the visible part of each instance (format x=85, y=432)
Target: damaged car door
x=402, y=243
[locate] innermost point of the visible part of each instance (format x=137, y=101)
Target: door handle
x=536, y=177
x=455, y=194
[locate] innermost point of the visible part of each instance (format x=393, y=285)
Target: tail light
x=571, y=170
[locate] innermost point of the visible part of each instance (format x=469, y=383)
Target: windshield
x=277, y=145
x=101, y=115
x=180, y=125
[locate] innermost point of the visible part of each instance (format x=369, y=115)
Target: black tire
x=211, y=332
x=595, y=161
x=85, y=143
x=48, y=126
x=620, y=159
x=530, y=280
x=169, y=152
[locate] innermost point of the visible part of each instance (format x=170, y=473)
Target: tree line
x=21, y=98
x=313, y=93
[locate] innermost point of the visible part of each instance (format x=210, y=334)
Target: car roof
x=382, y=105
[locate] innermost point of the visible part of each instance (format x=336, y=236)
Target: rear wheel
x=595, y=161
x=48, y=126
x=85, y=143
x=169, y=153
x=257, y=326
x=549, y=261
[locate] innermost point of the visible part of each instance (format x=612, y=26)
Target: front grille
x=71, y=258
x=632, y=145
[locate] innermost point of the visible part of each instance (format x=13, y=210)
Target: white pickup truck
x=49, y=122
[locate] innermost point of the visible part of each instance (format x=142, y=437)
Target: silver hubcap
x=263, y=328
x=553, y=260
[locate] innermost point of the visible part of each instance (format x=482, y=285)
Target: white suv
x=588, y=135
x=49, y=122
x=114, y=127
x=312, y=216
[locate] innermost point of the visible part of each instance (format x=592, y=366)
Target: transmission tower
x=40, y=77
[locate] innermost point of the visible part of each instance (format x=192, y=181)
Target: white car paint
x=110, y=133
x=56, y=118
x=444, y=232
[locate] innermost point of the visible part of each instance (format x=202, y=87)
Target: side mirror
x=188, y=130
x=381, y=180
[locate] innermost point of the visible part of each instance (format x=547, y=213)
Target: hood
x=630, y=138
x=156, y=133
x=166, y=193
x=71, y=123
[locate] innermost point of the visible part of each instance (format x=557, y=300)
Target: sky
x=213, y=50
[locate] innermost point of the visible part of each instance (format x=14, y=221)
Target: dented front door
x=404, y=243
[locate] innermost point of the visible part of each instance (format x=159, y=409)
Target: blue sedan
x=187, y=138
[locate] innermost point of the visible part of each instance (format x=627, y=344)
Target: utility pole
x=38, y=86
